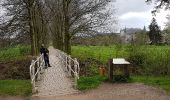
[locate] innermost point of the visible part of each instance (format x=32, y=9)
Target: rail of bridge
x=37, y=68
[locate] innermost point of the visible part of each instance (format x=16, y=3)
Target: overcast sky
x=137, y=14
x=134, y=14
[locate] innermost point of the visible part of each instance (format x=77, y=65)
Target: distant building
x=128, y=34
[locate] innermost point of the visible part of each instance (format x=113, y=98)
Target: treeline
x=97, y=40
x=54, y=21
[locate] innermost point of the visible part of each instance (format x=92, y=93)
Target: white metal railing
x=71, y=66
x=36, y=69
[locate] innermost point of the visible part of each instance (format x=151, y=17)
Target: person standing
x=45, y=52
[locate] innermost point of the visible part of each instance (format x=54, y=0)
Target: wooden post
x=110, y=70
x=38, y=69
x=127, y=71
x=69, y=65
x=31, y=71
x=77, y=66
x=66, y=64
x=33, y=81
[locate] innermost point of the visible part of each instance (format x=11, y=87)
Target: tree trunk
x=67, y=42
x=30, y=11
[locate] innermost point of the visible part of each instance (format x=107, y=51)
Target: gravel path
x=55, y=81
x=107, y=91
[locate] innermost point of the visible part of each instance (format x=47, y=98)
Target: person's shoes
x=49, y=66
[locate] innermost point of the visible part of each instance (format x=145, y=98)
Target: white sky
x=137, y=14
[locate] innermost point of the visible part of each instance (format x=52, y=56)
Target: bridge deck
x=55, y=81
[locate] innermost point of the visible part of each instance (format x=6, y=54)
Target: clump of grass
x=86, y=83
x=15, y=87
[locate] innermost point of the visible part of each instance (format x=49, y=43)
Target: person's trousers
x=46, y=59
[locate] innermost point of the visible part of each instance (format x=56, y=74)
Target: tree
x=25, y=18
x=154, y=32
x=159, y=4
x=62, y=19
x=77, y=17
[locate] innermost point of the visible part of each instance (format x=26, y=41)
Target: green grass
x=86, y=83
x=148, y=58
x=17, y=52
x=101, y=53
x=161, y=82
x=15, y=87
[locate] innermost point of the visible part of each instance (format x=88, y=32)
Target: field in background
x=152, y=63
x=149, y=59
x=17, y=52
x=103, y=53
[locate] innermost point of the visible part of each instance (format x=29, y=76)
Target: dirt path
x=107, y=91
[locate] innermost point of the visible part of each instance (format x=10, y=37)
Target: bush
x=137, y=59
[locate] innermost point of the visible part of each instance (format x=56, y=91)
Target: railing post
x=76, y=71
x=69, y=65
x=33, y=73
x=76, y=64
x=66, y=64
x=42, y=64
x=38, y=69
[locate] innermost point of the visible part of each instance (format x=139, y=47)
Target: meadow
x=153, y=60
x=15, y=52
x=152, y=63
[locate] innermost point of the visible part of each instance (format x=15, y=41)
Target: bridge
x=60, y=79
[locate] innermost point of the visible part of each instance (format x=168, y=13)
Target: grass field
x=15, y=87
x=152, y=60
x=103, y=53
x=17, y=52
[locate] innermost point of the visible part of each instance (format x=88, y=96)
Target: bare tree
x=24, y=18
x=159, y=4
x=79, y=17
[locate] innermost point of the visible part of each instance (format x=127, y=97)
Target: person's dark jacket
x=44, y=51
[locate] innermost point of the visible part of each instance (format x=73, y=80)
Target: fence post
x=69, y=65
x=66, y=64
x=38, y=69
x=42, y=63
x=33, y=73
x=31, y=68
x=76, y=76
